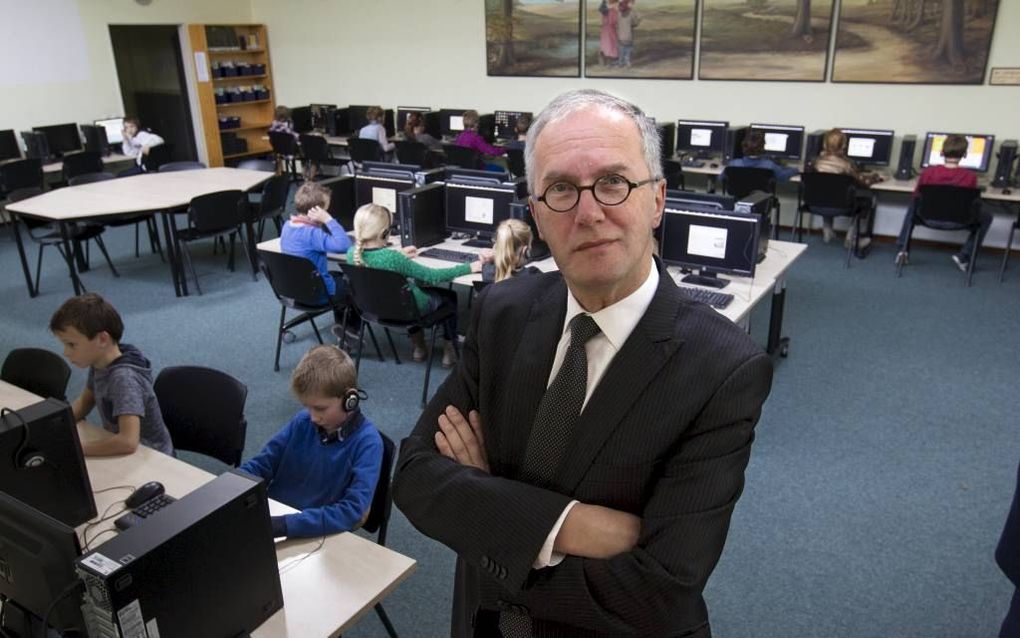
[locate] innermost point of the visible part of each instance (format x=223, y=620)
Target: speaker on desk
x=813, y=148
x=905, y=167
x=1004, y=170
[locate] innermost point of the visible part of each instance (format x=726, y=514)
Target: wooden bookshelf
x=255, y=114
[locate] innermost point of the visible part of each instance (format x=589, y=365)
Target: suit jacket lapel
x=650, y=345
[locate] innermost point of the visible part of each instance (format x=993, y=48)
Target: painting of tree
x=642, y=39
x=914, y=41
x=533, y=37
x=765, y=40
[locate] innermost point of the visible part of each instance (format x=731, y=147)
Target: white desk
x=165, y=193
x=324, y=595
x=112, y=158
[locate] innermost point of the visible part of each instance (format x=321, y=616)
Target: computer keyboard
x=143, y=511
x=449, y=255
x=715, y=299
x=690, y=162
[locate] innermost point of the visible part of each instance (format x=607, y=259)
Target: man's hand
x=461, y=439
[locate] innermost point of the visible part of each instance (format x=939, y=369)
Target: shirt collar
x=618, y=320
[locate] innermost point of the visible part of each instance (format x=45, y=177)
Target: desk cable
x=105, y=516
x=297, y=561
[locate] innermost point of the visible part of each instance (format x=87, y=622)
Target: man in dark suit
x=585, y=457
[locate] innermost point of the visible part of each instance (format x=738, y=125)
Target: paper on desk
x=707, y=241
x=478, y=210
x=385, y=197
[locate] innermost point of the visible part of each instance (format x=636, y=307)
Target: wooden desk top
x=112, y=158
x=135, y=194
x=325, y=594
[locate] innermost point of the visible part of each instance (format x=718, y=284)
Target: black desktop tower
x=95, y=138
x=758, y=204
x=1004, y=169
x=667, y=137
x=36, y=145
x=734, y=143
x=520, y=210
x=814, y=145
x=487, y=127
x=422, y=213
x=905, y=167
x=203, y=566
x=434, y=124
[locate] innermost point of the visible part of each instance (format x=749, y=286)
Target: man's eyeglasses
x=608, y=190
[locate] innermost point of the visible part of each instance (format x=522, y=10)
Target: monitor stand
x=709, y=280
x=478, y=242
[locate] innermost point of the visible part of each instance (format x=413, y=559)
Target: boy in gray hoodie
x=119, y=381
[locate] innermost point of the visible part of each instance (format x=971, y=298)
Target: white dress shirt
x=376, y=131
x=616, y=323
x=132, y=146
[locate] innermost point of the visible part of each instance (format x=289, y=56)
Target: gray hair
x=573, y=101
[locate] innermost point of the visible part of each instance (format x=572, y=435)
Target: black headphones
x=25, y=458
x=352, y=400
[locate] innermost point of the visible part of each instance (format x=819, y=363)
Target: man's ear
x=660, y=202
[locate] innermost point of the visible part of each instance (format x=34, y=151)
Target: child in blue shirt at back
x=326, y=461
x=754, y=151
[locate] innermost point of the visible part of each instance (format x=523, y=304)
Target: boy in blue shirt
x=326, y=461
x=754, y=157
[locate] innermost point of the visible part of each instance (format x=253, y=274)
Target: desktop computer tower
x=422, y=214
x=36, y=145
x=434, y=124
x=203, y=566
x=667, y=137
x=905, y=166
x=734, y=143
x=813, y=146
x=487, y=127
x=1004, y=169
x=758, y=204
x=95, y=138
x=520, y=210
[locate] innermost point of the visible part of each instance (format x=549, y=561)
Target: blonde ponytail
x=371, y=222
x=513, y=238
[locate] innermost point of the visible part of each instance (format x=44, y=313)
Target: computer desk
x=165, y=193
x=112, y=158
x=770, y=276
x=325, y=592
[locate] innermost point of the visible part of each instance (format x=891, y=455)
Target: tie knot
x=582, y=328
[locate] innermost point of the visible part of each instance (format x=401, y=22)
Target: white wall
x=61, y=68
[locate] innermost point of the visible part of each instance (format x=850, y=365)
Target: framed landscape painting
x=640, y=39
x=765, y=40
x=533, y=37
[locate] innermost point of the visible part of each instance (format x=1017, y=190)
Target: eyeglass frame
x=578, y=189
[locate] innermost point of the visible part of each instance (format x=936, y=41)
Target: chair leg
x=106, y=255
x=157, y=245
x=852, y=248
x=385, y=620
x=393, y=348
x=279, y=338
x=230, y=258
x=318, y=335
x=38, y=268
x=361, y=344
x=428, y=366
x=1005, y=253
x=137, y=233
x=775, y=227
x=190, y=265
x=796, y=233
x=378, y=350
x=970, y=264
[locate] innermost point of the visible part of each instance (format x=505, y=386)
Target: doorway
x=152, y=83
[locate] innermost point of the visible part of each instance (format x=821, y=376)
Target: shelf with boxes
x=225, y=96
x=235, y=69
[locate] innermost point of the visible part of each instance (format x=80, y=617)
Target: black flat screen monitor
x=979, y=150
x=302, y=118
x=782, y=141
x=711, y=241
x=41, y=462
x=713, y=200
x=506, y=123
x=357, y=117
x=868, y=146
x=9, y=148
x=62, y=138
x=376, y=189
x=474, y=176
x=114, y=129
x=37, y=556
x=703, y=138
x=403, y=111
x=451, y=121
x=477, y=210
x=36, y=146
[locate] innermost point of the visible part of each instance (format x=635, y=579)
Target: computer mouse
x=714, y=165
x=1007, y=191
x=149, y=491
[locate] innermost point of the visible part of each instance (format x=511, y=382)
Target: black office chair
x=830, y=195
x=171, y=167
x=414, y=153
x=158, y=155
x=20, y=174
x=741, y=181
x=212, y=216
x=148, y=220
x=37, y=370
x=316, y=152
x=203, y=410
x=48, y=234
x=946, y=208
x=267, y=166
x=363, y=151
x=383, y=298
x=378, y=520
x=673, y=173
x=82, y=163
x=463, y=157
x=285, y=150
x=515, y=162
x=271, y=204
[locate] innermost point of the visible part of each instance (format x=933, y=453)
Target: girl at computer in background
x=282, y=122
x=511, y=249
x=470, y=138
x=371, y=234
x=833, y=159
x=414, y=131
x=375, y=130
x=754, y=151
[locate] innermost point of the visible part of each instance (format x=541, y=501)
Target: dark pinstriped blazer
x=666, y=435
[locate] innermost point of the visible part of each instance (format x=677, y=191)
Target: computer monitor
x=37, y=555
x=403, y=111
x=451, y=121
x=709, y=240
x=379, y=189
x=422, y=215
x=114, y=129
x=320, y=115
x=979, y=150
x=867, y=146
x=41, y=462
x=702, y=138
x=388, y=169
x=474, y=176
x=506, y=123
x=478, y=210
x=302, y=118
x=36, y=145
x=782, y=141
x=712, y=200
x=62, y=138
x=95, y=138
x=9, y=148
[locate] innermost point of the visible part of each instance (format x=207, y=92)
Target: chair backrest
x=410, y=152
x=89, y=178
x=673, y=172
x=315, y=148
x=23, y=173
x=364, y=150
x=741, y=181
x=158, y=155
x=382, y=296
x=81, y=163
x=221, y=210
x=283, y=143
x=946, y=206
x=171, y=167
x=295, y=280
x=382, y=505
x=37, y=370
x=203, y=409
x=829, y=191
x=268, y=166
x=274, y=196
x=515, y=161
x=463, y=157
x=24, y=193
